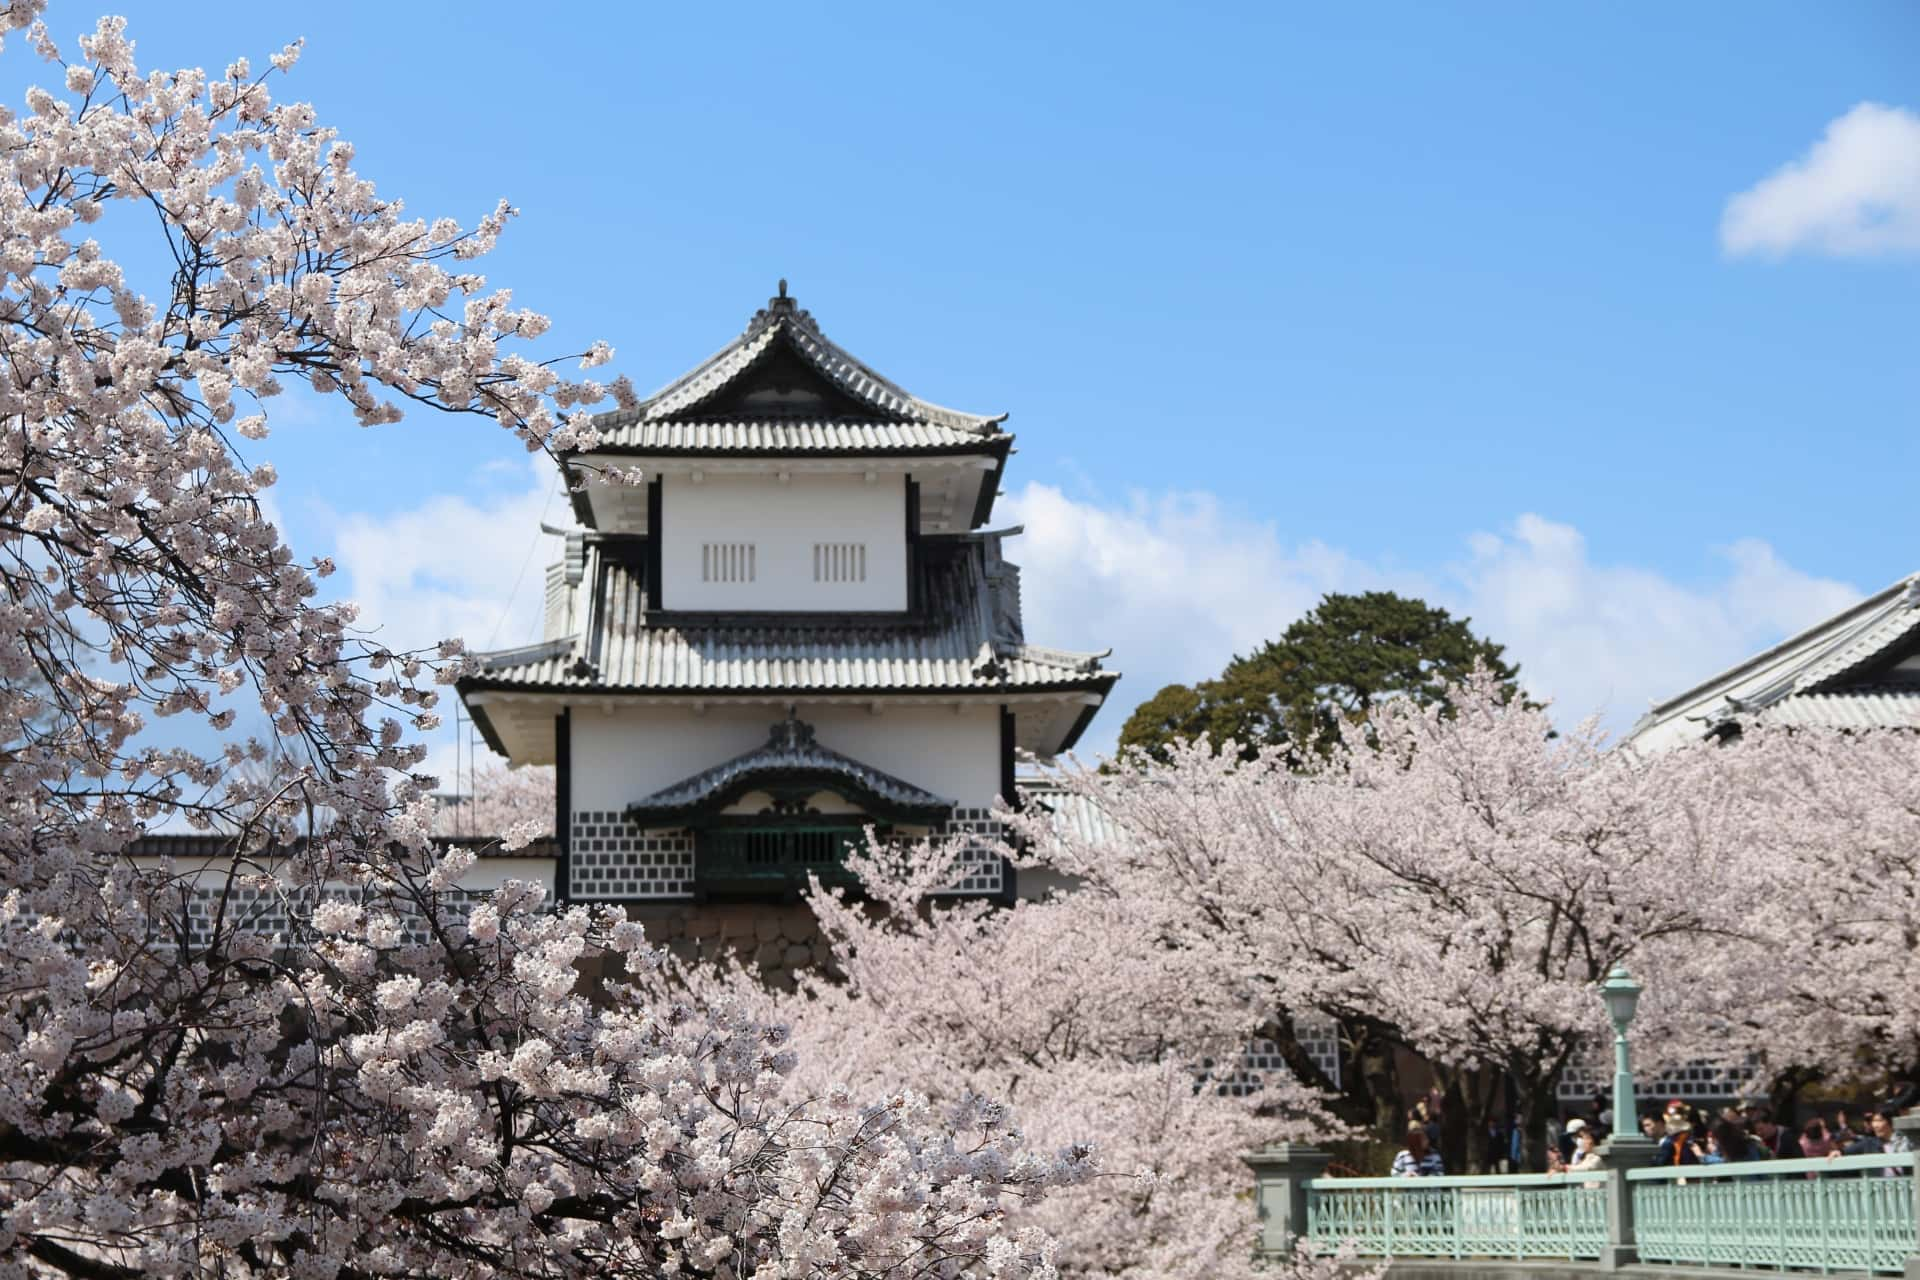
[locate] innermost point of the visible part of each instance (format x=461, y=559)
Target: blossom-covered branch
x=307, y=1055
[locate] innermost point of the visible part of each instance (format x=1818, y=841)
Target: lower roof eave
x=1080, y=724
x=484, y=723
x=1100, y=683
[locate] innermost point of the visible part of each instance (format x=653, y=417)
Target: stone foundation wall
x=777, y=939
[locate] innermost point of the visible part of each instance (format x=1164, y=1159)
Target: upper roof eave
x=995, y=446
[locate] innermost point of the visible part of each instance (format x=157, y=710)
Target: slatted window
x=727, y=562
x=839, y=562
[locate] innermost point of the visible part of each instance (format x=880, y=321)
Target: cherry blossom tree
x=1455, y=885
x=1832, y=820
x=1092, y=1031
x=388, y=1082
x=514, y=804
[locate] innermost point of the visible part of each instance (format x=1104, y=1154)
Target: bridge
x=1850, y=1215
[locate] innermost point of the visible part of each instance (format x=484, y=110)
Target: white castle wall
x=734, y=542
x=623, y=754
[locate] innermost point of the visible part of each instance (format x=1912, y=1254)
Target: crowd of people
x=1687, y=1136
x=1682, y=1134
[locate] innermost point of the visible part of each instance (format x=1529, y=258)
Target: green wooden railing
x=1518, y=1216
x=1855, y=1213
x=755, y=859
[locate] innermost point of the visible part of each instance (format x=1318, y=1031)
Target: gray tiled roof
x=790, y=752
x=1867, y=707
x=968, y=639
x=1898, y=620
x=1836, y=674
x=1073, y=815
x=195, y=846
x=774, y=435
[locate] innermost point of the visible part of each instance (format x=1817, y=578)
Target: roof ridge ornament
x=793, y=733
x=779, y=309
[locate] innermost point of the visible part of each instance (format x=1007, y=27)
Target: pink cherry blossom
x=297, y=1057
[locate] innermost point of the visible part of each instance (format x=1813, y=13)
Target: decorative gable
x=790, y=768
x=780, y=384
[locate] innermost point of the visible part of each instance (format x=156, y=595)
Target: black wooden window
x=763, y=858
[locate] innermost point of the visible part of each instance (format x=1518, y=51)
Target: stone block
x=798, y=955
x=768, y=955
x=737, y=923
x=768, y=924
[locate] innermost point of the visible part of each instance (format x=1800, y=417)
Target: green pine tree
x=1333, y=665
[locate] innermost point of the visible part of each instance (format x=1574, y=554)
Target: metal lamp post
x=1622, y=996
x=1626, y=1148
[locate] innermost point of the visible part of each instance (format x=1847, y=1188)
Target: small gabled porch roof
x=790, y=764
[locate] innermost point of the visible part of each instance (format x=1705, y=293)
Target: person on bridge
x=1677, y=1147
x=1586, y=1150
x=1781, y=1142
x=1418, y=1160
x=1880, y=1139
x=1730, y=1143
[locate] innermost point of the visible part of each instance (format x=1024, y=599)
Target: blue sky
x=1281, y=299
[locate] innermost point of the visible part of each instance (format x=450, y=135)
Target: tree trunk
x=1380, y=1078
x=1353, y=1099
x=1783, y=1092
x=1472, y=1095
x=1455, y=1120
x=1534, y=1101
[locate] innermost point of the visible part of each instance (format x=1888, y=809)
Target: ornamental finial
x=780, y=307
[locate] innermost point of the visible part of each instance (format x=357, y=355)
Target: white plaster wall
x=622, y=754
x=487, y=874
x=1675, y=731
x=783, y=522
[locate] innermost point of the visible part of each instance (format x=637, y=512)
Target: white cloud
x=1174, y=582
x=453, y=566
x=1177, y=585
x=1605, y=639
x=1855, y=193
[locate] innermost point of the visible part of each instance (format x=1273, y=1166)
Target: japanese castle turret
x=785, y=618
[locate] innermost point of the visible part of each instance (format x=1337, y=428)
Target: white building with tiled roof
x=1859, y=669
x=783, y=619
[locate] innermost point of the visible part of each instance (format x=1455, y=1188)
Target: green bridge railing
x=1855, y=1213
x=1523, y=1216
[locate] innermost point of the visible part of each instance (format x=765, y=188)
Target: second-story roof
x=967, y=639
